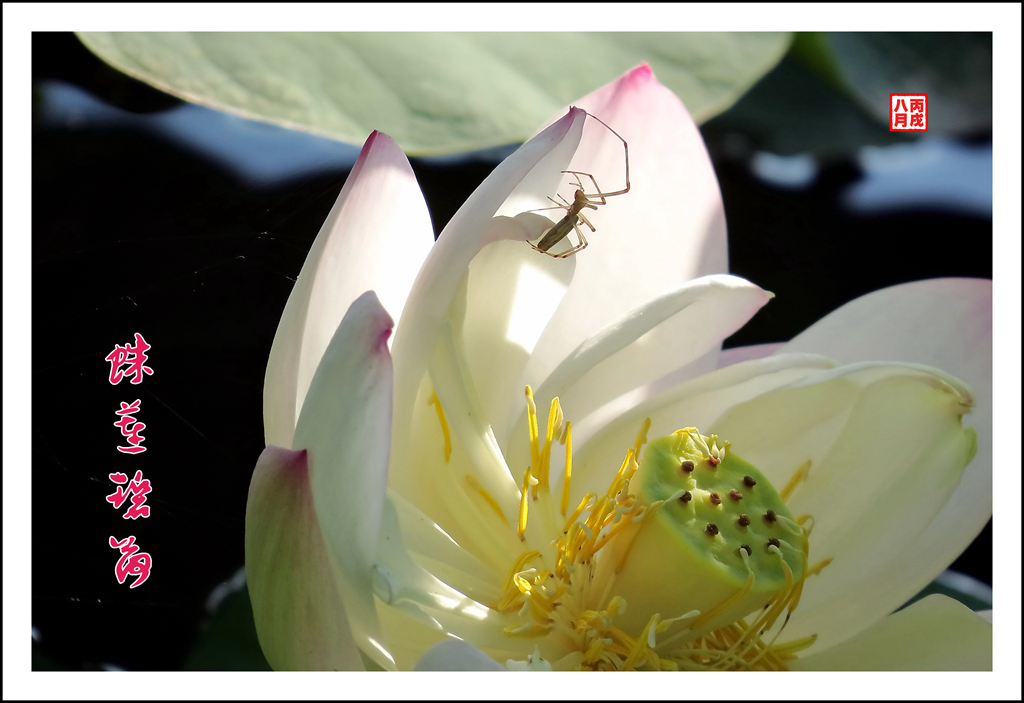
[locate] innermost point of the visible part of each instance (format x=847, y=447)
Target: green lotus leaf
x=431, y=92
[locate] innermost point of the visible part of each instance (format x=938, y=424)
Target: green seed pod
x=721, y=522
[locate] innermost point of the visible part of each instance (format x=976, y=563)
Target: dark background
x=132, y=233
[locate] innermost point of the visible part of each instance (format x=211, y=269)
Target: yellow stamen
x=816, y=569
x=641, y=644
x=444, y=425
x=568, y=470
x=787, y=650
x=524, y=501
x=475, y=485
x=641, y=437
x=795, y=480
x=517, y=566
x=767, y=619
x=510, y=591
x=554, y=424
x=803, y=520
x=622, y=525
x=726, y=604
x=593, y=653
x=629, y=466
x=579, y=511
x=528, y=630
x=531, y=412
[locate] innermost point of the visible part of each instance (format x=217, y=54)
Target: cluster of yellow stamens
x=563, y=586
x=534, y=593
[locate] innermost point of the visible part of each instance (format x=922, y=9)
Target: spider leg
x=583, y=243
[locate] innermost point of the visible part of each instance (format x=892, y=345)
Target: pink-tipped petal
x=934, y=634
x=298, y=609
x=669, y=228
x=375, y=238
x=346, y=427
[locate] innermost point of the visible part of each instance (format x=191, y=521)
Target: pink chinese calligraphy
x=132, y=356
x=137, y=489
x=132, y=561
x=130, y=427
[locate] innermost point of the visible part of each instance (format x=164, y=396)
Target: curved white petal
x=297, y=607
x=664, y=334
x=375, y=238
x=442, y=490
x=431, y=606
x=403, y=584
x=522, y=178
x=345, y=425
x=945, y=323
x=669, y=228
x=886, y=450
x=934, y=634
x=697, y=402
x=440, y=554
x=414, y=639
x=728, y=357
x=511, y=293
x=456, y=655
x=466, y=420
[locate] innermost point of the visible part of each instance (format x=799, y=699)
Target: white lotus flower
x=414, y=497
